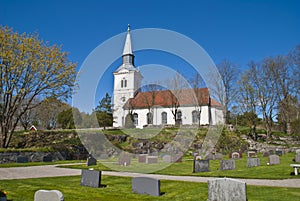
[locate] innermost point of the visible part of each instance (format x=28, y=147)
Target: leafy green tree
x=29, y=68
x=104, y=112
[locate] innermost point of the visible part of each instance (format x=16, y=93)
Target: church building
x=165, y=107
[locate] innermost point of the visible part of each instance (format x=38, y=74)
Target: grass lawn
x=185, y=168
x=6, y=165
x=119, y=188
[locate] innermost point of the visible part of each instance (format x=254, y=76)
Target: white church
x=165, y=107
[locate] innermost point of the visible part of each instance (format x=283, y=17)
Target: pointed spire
x=127, y=47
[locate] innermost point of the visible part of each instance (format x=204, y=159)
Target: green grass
x=119, y=188
x=185, y=168
x=7, y=165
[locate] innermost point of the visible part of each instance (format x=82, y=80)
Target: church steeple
x=128, y=57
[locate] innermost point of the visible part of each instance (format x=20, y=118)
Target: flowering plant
x=3, y=193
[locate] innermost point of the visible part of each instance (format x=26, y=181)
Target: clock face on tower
x=123, y=99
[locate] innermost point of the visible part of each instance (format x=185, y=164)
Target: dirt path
x=54, y=171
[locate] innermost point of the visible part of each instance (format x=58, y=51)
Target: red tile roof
x=168, y=98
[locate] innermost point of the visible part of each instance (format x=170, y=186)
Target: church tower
x=127, y=81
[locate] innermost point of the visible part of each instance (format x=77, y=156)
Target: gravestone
x=91, y=161
x=297, y=158
x=124, y=159
x=201, y=166
x=146, y=185
x=151, y=159
x=45, y=195
x=253, y=162
x=47, y=158
x=271, y=152
x=210, y=156
x=22, y=159
x=297, y=151
x=274, y=160
x=167, y=159
x=90, y=178
x=142, y=158
x=218, y=156
x=227, y=164
x=251, y=154
x=266, y=154
x=177, y=158
x=226, y=189
x=235, y=155
x=279, y=152
x=103, y=156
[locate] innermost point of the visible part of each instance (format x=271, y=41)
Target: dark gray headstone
x=47, y=158
x=253, y=162
x=146, y=185
x=226, y=190
x=274, y=160
x=45, y=195
x=297, y=158
x=279, y=152
x=124, y=159
x=151, y=159
x=142, y=158
x=91, y=178
x=271, y=152
x=227, y=164
x=91, y=161
x=22, y=159
x=201, y=166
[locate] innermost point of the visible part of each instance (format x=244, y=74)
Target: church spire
x=128, y=57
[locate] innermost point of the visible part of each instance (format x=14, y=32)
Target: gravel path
x=54, y=171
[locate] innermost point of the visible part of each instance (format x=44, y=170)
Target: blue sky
x=239, y=31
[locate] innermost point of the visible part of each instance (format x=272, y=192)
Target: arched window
x=164, y=118
x=195, y=117
x=179, y=115
x=149, y=118
x=135, y=119
x=123, y=83
x=178, y=118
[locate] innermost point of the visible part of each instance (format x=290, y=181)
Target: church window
x=164, y=118
x=195, y=116
x=135, y=119
x=149, y=118
x=179, y=115
x=123, y=83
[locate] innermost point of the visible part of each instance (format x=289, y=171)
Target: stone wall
x=11, y=157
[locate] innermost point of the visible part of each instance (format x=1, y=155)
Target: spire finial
x=128, y=29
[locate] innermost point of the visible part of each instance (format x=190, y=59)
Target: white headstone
x=46, y=195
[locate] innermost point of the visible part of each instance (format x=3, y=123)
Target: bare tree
x=148, y=97
x=248, y=101
x=176, y=88
x=225, y=89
